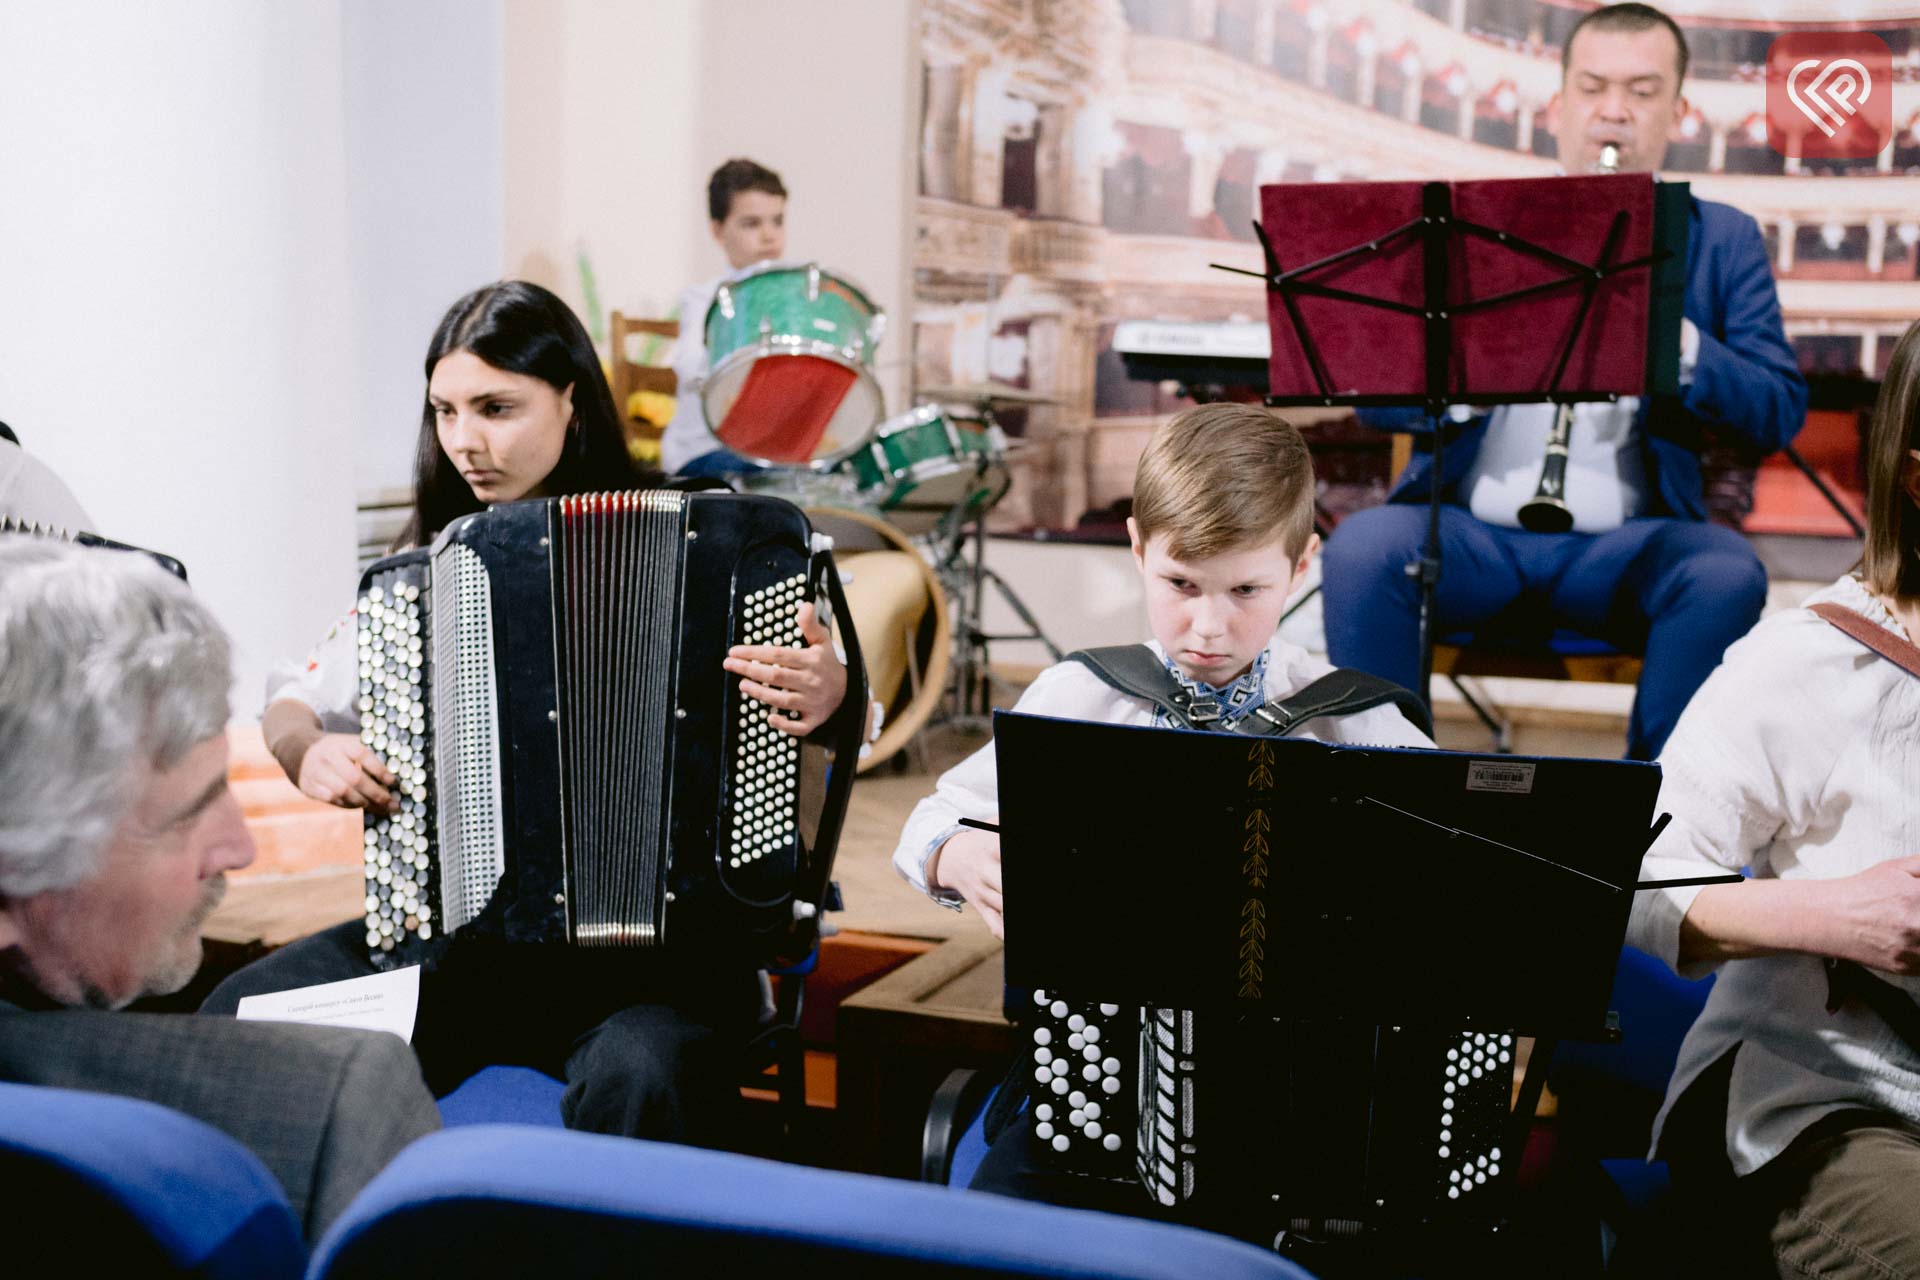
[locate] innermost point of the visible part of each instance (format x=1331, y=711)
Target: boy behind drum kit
x=1222, y=532
x=747, y=214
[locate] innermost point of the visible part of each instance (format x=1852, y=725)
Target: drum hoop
x=771, y=265
x=918, y=416
x=782, y=345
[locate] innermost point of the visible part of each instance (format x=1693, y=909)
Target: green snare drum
x=789, y=350
x=930, y=462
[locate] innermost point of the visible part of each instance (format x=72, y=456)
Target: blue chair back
x=499, y=1201
x=105, y=1182
x=504, y=1095
x=1656, y=1008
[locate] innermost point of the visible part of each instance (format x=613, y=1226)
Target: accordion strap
x=1136, y=670
x=1845, y=978
x=1895, y=649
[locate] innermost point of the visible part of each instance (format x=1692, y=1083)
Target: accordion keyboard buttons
x=392, y=702
x=765, y=765
x=1084, y=1096
x=1476, y=1083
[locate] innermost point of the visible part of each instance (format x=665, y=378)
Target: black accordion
x=574, y=765
x=1319, y=1037
x=1194, y=1105
x=81, y=538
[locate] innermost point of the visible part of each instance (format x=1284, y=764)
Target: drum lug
x=724, y=300
x=813, y=282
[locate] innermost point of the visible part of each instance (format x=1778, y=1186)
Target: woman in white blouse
x=1799, y=760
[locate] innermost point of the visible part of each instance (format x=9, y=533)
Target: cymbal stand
x=960, y=560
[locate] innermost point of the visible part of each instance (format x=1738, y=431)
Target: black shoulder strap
x=1134, y=669
x=1341, y=692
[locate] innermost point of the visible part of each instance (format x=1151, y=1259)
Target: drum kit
x=791, y=391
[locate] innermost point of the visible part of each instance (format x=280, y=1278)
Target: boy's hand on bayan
x=340, y=769
x=810, y=681
x=969, y=864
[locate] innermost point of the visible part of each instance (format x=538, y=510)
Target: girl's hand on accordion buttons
x=340, y=769
x=969, y=864
x=809, y=681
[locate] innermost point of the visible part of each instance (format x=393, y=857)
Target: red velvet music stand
x=1431, y=294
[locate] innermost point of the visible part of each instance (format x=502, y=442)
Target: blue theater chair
x=492, y=1200
x=97, y=1184
x=1609, y=1094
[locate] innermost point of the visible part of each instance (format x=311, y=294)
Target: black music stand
x=1322, y=883
x=1493, y=292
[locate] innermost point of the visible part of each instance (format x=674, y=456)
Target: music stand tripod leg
x=1425, y=570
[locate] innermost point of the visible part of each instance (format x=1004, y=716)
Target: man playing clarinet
x=1641, y=567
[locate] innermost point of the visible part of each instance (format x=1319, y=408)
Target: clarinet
x=1547, y=510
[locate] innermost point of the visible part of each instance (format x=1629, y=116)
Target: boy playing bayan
x=1222, y=530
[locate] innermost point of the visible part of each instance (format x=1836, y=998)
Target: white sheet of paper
x=377, y=1002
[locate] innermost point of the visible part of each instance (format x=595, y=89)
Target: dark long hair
x=1891, y=556
x=525, y=329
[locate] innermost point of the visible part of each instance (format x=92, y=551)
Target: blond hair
x=1890, y=557
x=1225, y=477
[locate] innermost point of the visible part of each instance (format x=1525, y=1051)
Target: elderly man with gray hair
x=117, y=829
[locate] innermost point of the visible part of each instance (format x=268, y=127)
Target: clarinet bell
x=1546, y=515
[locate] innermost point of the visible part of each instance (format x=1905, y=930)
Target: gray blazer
x=324, y=1108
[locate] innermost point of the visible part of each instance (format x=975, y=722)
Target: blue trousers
x=1677, y=592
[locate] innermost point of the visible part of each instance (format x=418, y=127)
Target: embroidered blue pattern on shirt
x=1237, y=698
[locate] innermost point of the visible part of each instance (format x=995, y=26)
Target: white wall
x=173, y=300
x=601, y=149
x=426, y=208
x=228, y=227
x=617, y=113
x=227, y=231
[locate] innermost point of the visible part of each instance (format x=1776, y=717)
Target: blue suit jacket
x=1746, y=381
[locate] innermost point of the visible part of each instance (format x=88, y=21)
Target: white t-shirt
x=687, y=437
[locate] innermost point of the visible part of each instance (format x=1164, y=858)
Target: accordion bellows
x=575, y=766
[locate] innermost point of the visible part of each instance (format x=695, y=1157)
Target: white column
x=1523, y=139
x=1466, y=114
x=1784, y=262
x=177, y=323
x=1206, y=19
x=1317, y=57
x=1205, y=154
x=1263, y=28
x=987, y=140
x=1457, y=15
x=1716, y=148
x=1876, y=244
x=1869, y=350
x=1364, y=81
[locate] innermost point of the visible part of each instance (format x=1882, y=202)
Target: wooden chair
x=626, y=376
